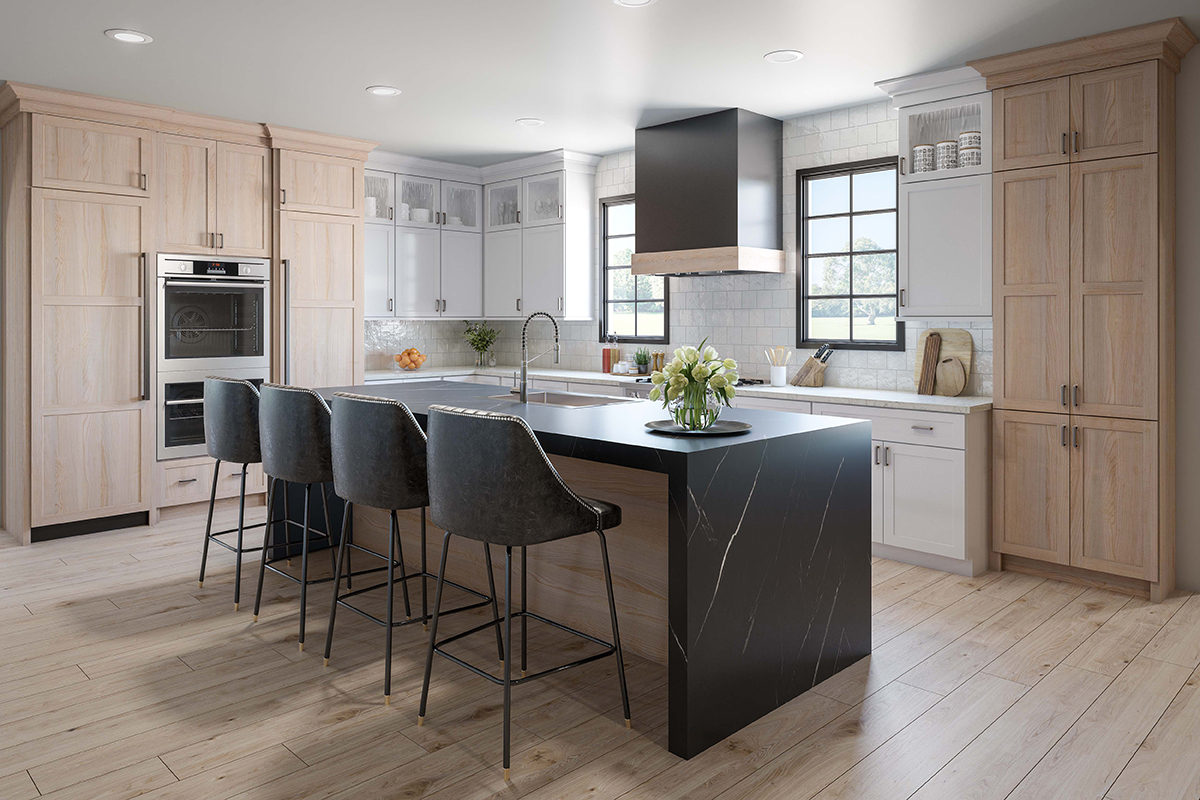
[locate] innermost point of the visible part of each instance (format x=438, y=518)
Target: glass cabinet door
x=379, y=197
x=417, y=201
x=543, y=200
x=462, y=204
x=503, y=205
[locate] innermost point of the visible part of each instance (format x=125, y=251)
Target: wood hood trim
x=710, y=260
x=1167, y=40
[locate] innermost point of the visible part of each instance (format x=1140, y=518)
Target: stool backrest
x=490, y=480
x=378, y=453
x=293, y=425
x=231, y=420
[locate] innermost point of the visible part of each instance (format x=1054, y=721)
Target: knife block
x=812, y=373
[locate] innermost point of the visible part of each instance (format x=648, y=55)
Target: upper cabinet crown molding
x=1167, y=40
x=552, y=161
x=385, y=161
x=929, y=87
x=326, y=144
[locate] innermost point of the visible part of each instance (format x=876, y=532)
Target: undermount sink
x=564, y=399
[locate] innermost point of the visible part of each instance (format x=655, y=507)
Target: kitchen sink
x=564, y=399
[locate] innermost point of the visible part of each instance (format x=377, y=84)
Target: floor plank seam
x=168, y=769
x=297, y=755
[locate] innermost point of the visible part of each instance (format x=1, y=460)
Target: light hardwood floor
x=120, y=678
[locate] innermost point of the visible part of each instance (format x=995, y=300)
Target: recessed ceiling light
x=531, y=122
x=783, y=56
x=633, y=3
x=128, y=37
x=383, y=91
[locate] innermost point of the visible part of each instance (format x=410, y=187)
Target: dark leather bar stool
x=489, y=480
x=379, y=461
x=230, y=434
x=293, y=427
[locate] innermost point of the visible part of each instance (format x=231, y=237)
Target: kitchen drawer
x=906, y=427
x=542, y=385
x=597, y=388
x=488, y=380
x=773, y=404
x=186, y=484
x=229, y=479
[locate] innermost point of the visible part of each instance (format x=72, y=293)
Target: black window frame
x=618, y=200
x=802, y=338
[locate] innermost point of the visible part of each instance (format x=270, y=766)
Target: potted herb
x=481, y=338
x=642, y=359
x=694, y=386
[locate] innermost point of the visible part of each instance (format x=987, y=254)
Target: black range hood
x=710, y=195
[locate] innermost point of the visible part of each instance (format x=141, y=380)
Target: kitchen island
x=765, y=540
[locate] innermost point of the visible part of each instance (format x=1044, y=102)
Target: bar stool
x=489, y=480
x=294, y=434
x=379, y=461
x=230, y=434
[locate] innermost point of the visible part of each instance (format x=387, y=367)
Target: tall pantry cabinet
x=1084, y=306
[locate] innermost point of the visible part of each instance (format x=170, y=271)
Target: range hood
x=710, y=195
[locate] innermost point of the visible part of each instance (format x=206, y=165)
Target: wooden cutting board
x=956, y=343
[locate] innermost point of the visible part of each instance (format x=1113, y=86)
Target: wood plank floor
x=121, y=678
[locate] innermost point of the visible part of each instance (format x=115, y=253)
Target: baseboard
x=966, y=567
x=1077, y=575
x=45, y=533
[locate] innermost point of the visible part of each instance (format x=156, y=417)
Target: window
x=847, y=233
x=634, y=306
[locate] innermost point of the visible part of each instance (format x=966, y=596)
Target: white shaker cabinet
x=380, y=270
x=462, y=274
x=418, y=271
x=878, y=477
x=503, y=205
x=418, y=201
x=543, y=195
x=379, y=201
x=542, y=269
x=945, y=256
x=924, y=499
x=462, y=206
x=502, y=273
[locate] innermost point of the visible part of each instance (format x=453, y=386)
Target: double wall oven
x=214, y=318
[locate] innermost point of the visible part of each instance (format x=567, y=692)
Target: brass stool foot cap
x=425, y=626
x=302, y=647
x=387, y=699
x=629, y=724
x=201, y=584
x=420, y=721
x=235, y=606
x=506, y=770
x=255, y=618
x=327, y=662
x=522, y=673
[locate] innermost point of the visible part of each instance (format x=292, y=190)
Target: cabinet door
x=418, y=201
x=462, y=274
x=91, y=156
x=924, y=499
x=502, y=273
x=92, y=424
x=1031, y=463
x=379, y=197
x=418, y=272
x=187, y=177
x=503, y=205
x=324, y=184
x=1114, y=496
x=462, y=204
x=1114, y=112
x=1114, y=287
x=379, y=263
x=542, y=269
x=543, y=200
x=946, y=247
x=877, y=481
x=1031, y=286
x=243, y=200
x=1030, y=124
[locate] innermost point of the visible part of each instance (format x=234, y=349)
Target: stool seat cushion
x=610, y=513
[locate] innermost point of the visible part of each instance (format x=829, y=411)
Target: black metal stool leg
x=612, y=610
x=437, y=605
x=212, y=502
x=403, y=573
x=287, y=528
x=424, y=574
x=524, y=582
x=507, y=655
x=262, y=565
x=237, y=584
x=329, y=531
x=391, y=586
x=337, y=586
x=304, y=564
x=487, y=557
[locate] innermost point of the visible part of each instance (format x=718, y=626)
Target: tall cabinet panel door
x=379, y=265
x=542, y=269
x=1114, y=112
x=924, y=499
x=1114, y=287
x=502, y=273
x=1031, y=462
x=92, y=431
x=1114, y=496
x=462, y=274
x=324, y=184
x=1030, y=124
x=187, y=204
x=418, y=272
x=1031, y=288
x=91, y=156
x=243, y=200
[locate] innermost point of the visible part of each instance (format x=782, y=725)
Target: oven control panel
x=190, y=266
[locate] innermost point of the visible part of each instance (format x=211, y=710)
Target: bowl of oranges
x=410, y=359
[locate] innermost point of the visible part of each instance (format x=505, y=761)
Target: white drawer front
x=772, y=404
x=907, y=427
x=597, y=388
x=485, y=379
x=543, y=385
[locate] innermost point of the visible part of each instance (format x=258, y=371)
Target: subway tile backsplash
x=740, y=314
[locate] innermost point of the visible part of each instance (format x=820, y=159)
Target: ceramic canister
x=947, y=155
x=970, y=157
x=970, y=139
x=923, y=160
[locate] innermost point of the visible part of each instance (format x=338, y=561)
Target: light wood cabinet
x=190, y=480
x=319, y=183
x=91, y=156
x=1031, y=124
x=1031, y=459
x=91, y=420
x=243, y=200
x=1114, y=112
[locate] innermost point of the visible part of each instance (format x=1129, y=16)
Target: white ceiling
x=593, y=70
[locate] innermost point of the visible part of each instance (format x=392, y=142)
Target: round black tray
x=722, y=427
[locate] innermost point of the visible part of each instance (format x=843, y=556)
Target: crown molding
x=929, y=87
x=424, y=167
x=323, y=143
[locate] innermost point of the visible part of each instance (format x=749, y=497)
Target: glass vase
x=695, y=408
x=478, y=359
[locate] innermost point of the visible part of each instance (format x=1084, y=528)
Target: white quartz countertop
x=877, y=398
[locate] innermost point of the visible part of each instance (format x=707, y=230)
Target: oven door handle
x=184, y=402
x=219, y=284
x=146, y=344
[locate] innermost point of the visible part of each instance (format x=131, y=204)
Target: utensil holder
x=812, y=373
x=779, y=376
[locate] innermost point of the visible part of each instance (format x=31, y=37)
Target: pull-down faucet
x=525, y=359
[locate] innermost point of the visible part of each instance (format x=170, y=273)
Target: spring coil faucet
x=525, y=359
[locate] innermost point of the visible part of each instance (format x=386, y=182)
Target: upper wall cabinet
x=543, y=200
x=243, y=200
x=418, y=201
x=503, y=205
x=379, y=197
x=462, y=206
x=1030, y=124
x=946, y=120
x=321, y=184
x=91, y=156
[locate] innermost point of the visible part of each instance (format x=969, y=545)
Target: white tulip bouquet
x=694, y=385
